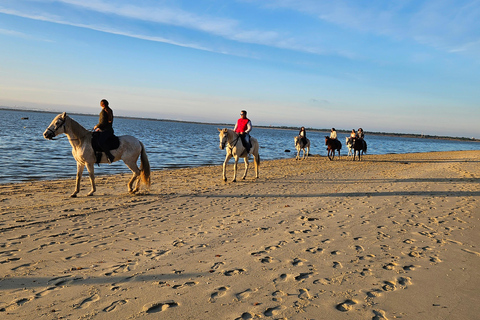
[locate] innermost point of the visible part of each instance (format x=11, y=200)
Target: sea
x=25, y=155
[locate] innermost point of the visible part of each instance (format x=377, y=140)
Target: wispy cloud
x=160, y=15
x=442, y=24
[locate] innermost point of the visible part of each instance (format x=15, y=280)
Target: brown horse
x=332, y=145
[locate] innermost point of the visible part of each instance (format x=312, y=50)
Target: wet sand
x=390, y=237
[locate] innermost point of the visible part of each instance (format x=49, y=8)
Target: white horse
x=300, y=146
x=81, y=140
x=349, y=146
x=230, y=140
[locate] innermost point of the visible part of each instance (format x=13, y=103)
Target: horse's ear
x=64, y=115
x=219, y=130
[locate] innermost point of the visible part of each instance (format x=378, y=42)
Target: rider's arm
x=249, y=127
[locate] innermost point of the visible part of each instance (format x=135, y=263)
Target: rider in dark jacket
x=105, y=128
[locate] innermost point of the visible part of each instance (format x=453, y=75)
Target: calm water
x=25, y=155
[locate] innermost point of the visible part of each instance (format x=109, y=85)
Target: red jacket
x=242, y=125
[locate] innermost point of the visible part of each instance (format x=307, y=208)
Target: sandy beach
x=390, y=237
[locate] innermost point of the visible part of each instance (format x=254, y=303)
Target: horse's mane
x=77, y=129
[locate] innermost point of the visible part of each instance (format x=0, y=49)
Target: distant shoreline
x=390, y=134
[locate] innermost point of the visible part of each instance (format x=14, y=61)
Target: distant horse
x=359, y=146
x=299, y=145
x=332, y=145
x=81, y=140
x=230, y=140
x=349, y=144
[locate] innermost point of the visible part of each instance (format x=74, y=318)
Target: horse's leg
x=80, y=167
x=91, y=174
x=308, y=151
x=246, y=167
x=228, y=157
x=132, y=165
x=256, y=161
x=235, y=169
x=298, y=154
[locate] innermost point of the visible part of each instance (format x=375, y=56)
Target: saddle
x=104, y=141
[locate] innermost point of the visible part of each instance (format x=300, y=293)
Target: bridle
x=230, y=146
x=57, y=126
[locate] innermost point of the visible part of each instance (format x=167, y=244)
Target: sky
x=400, y=66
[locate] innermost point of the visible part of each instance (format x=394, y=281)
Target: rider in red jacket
x=243, y=128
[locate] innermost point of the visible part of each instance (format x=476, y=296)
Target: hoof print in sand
x=159, y=306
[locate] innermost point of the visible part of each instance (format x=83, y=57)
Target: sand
x=390, y=237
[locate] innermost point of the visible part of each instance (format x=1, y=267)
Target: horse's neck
x=75, y=132
x=232, y=136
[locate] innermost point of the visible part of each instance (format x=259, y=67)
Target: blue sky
x=390, y=66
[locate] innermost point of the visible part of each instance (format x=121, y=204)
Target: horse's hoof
x=90, y=194
x=234, y=180
x=73, y=195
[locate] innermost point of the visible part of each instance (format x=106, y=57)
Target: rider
x=105, y=128
x=303, y=135
x=353, y=136
x=243, y=128
x=333, y=134
x=360, y=136
x=360, y=133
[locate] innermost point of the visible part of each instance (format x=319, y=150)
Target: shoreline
x=326, y=130
x=391, y=236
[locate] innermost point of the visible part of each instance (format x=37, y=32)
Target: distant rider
x=243, y=128
x=303, y=136
x=333, y=134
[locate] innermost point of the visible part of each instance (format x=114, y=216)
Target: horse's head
x=223, y=136
x=56, y=127
x=297, y=140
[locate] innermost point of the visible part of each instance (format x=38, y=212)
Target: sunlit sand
x=392, y=236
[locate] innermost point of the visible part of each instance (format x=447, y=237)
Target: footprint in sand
x=389, y=286
x=15, y=304
x=217, y=265
x=390, y=266
x=217, y=294
x=266, y=259
x=233, y=272
x=314, y=250
x=278, y=295
x=379, y=315
x=86, y=302
x=346, y=305
x=243, y=295
x=159, y=306
x=114, y=305
x=186, y=284
x=297, y=262
x=270, y=312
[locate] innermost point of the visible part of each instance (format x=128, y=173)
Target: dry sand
x=390, y=237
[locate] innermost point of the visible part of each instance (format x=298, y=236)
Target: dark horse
x=358, y=145
x=332, y=145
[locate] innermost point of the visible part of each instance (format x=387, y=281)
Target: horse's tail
x=144, y=167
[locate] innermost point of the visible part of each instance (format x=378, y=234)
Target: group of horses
x=355, y=147
x=131, y=149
